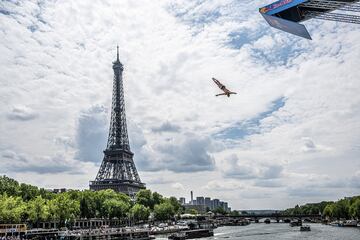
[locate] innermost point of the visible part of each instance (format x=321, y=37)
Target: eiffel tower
x=117, y=170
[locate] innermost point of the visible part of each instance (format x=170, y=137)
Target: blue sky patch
x=238, y=39
x=251, y=126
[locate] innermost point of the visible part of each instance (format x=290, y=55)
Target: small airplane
x=227, y=92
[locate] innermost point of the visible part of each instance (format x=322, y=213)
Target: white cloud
x=187, y=153
x=178, y=186
x=234, y=168
x=21, y=113
x=56, y=66
x=217, y=185
x=166, y=127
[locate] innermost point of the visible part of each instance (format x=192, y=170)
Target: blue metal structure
x=286, y=15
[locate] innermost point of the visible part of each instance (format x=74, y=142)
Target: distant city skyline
x=290, y=136
x=203, y=203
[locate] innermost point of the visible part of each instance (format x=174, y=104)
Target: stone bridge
x=274, y=216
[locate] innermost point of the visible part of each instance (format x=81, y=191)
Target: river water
x=281, y=231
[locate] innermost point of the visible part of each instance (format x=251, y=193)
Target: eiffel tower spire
x=117, y=170
x=117, y=53
x=118, y=136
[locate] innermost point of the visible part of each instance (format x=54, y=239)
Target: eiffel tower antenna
x=117, y=53
x=117, y=170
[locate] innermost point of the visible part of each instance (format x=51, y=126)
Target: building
x=182, y=201
x=200, y=201
x=221, y=205
x=117, y=170
x=208, y=202
x=226, y=208
x=215, y=203
x=203, y=204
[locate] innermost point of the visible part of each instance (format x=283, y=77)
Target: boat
x=350, y=223
x=267, y=221
x=305, y=228
x=197, y=233
x=335, y=224
x=178, y=236
x=296, y=223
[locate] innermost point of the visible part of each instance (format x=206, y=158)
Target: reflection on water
x=284, y=232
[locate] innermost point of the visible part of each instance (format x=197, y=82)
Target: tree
x=74, y=194
x=157, y=198
x=175, y=203
x=28, y=192
x=140, y=212
x=236, y=213
x=12, y=209
x=355, y=209
x=115, y=208
x=220, y=210
x=164, y=211
x=104, y=195
x=46, y=194
x=9, y=186
x=192, y=211
x=297, y=210
x=37, y=210
x=145, y=197
x=63, y=209
x=314, y=210
x=323, y=205
x=88, y=204
x=328, y=211
x=342, y=208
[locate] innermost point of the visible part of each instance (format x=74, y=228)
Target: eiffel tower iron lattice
x=117, y=170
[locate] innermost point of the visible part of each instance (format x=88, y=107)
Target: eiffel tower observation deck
x=117, y=170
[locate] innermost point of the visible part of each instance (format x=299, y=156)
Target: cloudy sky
x=291, y=135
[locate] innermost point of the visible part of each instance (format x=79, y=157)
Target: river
x=276, y=231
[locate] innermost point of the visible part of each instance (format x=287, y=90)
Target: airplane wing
x=221, y=94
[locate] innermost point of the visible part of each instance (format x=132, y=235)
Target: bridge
x=275, y=216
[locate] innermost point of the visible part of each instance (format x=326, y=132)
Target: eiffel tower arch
x=117, y=170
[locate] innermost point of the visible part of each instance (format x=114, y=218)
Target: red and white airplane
x=227, y=92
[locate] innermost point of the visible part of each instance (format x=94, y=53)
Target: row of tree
x=347, y=208
x=26, y=203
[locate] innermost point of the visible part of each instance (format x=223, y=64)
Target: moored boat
x=305, y=228
x=296, y=223
x=335, y=224
x=178, y=236
x=197, y=233
x=350, y=223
